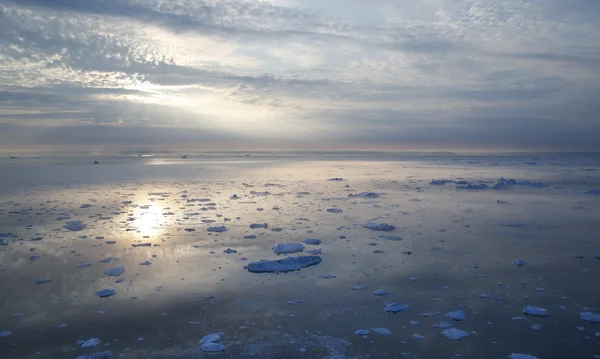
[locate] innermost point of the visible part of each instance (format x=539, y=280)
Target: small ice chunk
x=210, y=338
x=83, y=265
x=358, y=287
x=535, y=311
x=362, y=332
x=147, y=244
x=454, y=334
x=212, y=347
x=90, y=343
x=334, y=210
x=283, y=265
x=217, y=229
x=312, y=241
x=104, y=293
x=379, y=227
x=107, y=260
x=229, y=251
x=594, y=192
x=457, y=315
x=327, y=276
x=62, y=326
x=250, y=236
x=395, y=307
x=414, y=323
x=519, y=262
x=521, y=356
x=100, y=355
x=116, y=271
x=42, y=280
x=382, y=331
x=364, y=195
x=430, y=314
x=590, y=317
x=391, y=238
x=288, y=248
x=146, y=263
x=381, y=292
x=443, y=325
x=314, y=251
x=259, y=225
x=536, y=326
x=418, y=336
x=75, y=226
x=513, y=224
x=5, y=333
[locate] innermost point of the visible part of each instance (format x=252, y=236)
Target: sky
x=299, y=74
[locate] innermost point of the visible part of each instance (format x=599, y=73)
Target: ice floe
x=5, y=333
x=519, y=262
x=457, y=315
x=362, y=332
x=90, y=343
x=75, y=226
x=283, y=265
x=288, y=248
x=590, y=317
x=312, y=241
x=381, y=292
x=116, y=271
x=104, y=293
x=364, y=195
x=391, y=238
x=535, y=311
x=259, y=225
x=395, y=307
x=379, y=227
x=521, y=356
x=382, y=331
x=454, y=334
x=217, y=229
x=100, y=355
x=42, y=280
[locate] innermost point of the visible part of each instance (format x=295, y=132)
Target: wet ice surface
x=82, y=225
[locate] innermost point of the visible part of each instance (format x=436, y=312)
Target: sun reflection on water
x=149, y=220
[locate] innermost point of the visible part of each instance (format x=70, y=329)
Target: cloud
x=275, y=72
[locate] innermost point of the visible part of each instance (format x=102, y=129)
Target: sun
x=149, y=219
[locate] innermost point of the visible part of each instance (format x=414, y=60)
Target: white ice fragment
x=75, y=226
x=395, y=307
x=379, y=227
x=90, y=343
x=362, y=332
x=283, y=265
x=457, y=315
x=382, y=331
x=116, y=271
x=312, y=241
x=414, y=323
x=288, y=248
x=381, y=292
x=391, y=238
x=217, y=229
x=454, y=334
x=210, y=338
x=212, y=347
x=521, y=356
x=42, y=280
x=105, y=293
x=364, y=195
x=536, y=326
x=519, y=262
x=358, y=287
x=590, y=317
x=535, y=311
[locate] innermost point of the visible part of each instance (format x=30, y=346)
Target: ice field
x=300, y=256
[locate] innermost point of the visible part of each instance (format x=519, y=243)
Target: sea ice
x=100, y=355
x=362, y=332
x=116, y=271
x=5, y=333
x=519, y=262
x=210, y=338
x=590, y=317
x=283, y=265
x=382, y=331
x=217, y=229
x=288, y=248
x=104, y=293
x=42, y=280
x=90, y=343
x=535, y=311
x=395, y=307
x=250, y=236
x=259, y=225
x=521, y=356
x=595, y=192
x=327, y=276
x=229, y=251
x=473, y=186
x=454, y=334
x=443, y=325
x=381, y=292
x=146, y=263
x=358, y=287
x=379, y=227
x=75, y=226
x=391, y=238
x=312, y=241
x=365, y=195
x=148, y=244
x=334, y=210
x=457, y=315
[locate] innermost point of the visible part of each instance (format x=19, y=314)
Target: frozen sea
x=452, y=245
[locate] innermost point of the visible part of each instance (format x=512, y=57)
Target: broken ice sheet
x=288, y=248
x=454, y=334
x=283, y=265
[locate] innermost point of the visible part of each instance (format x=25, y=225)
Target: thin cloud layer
x=267, y=74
